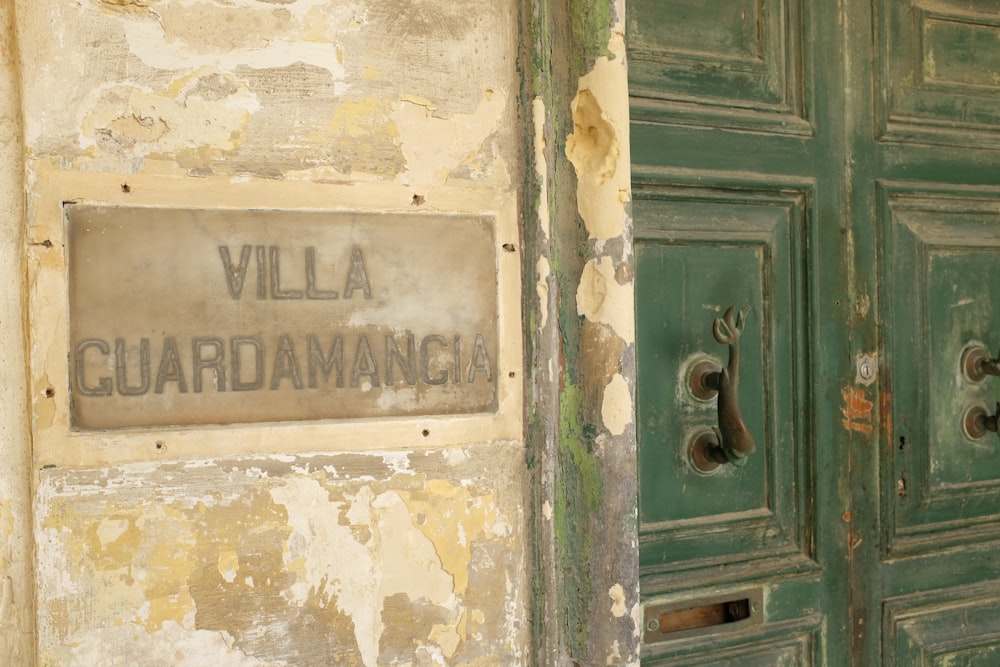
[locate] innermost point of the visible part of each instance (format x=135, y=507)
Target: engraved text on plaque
x=212, y=316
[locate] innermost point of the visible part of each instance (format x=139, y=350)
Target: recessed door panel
x=940, y=71
x=702, y=274
x=737, y=65
x=957, y=628
x=940, y=272
x=698, y=252
x=790, y=649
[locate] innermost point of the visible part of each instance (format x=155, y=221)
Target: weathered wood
x=581, y=438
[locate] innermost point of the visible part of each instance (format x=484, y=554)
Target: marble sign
x=220, y=316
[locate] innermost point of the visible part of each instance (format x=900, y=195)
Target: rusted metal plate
x=217, y=316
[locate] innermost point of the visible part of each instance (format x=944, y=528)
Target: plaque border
x=57, y=443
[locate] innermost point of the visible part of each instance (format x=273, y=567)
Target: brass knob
x=977, y=422
x=977, y=363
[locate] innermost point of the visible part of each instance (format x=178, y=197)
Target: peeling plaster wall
x=299, y=89
x=16, y=594
x=355, y=559
x=410, y=556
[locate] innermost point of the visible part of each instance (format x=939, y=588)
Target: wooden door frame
x=579, y=346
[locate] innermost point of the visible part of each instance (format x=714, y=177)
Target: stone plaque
x=214, y=316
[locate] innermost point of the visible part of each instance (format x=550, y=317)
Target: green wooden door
x=834, y=167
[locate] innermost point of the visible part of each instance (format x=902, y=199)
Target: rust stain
x=857, y=410
x=885, y=411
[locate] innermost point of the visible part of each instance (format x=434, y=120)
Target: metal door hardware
x=977, y=422
x=977, y=363
x=692, y=618
x=731, y=441
x=867, y=370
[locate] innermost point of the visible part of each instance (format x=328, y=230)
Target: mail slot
x=694, y=617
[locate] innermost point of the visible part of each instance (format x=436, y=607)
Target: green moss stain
x=591, y=22
x=576, y=443
x=578, y=500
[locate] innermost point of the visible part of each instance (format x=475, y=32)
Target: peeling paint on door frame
x=581, y=432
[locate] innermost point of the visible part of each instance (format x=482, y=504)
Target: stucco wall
x=16, y=589
x=383, y=552
x=356, y=559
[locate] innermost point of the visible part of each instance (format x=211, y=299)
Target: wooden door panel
x=940, y=269
x=738, y=65
x=698, y=251
x=939, y=71
x=789, y=646
x=957, y=628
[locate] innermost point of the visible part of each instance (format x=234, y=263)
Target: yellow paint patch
x=451, y=518
x=378, y=555
x=358, y=118
x=593, y=148
x=204, y=109
x=543, y=271
x=434, y=147
x=616, y=408
x=229, y=563
x=615, y=656
x=600, y=298
x=598, y=147
x=140, y=128
x=45, y=406
x=47, y=257
x=539, y=144
x=110, y=529
x=447, y=638
x=314, y=28
x=617, y=595
x=177, y=608
x=207, y=26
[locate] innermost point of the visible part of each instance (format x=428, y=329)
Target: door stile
x=834, y=337
x=865, y=365
x=859, y=411
x=926, y=209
